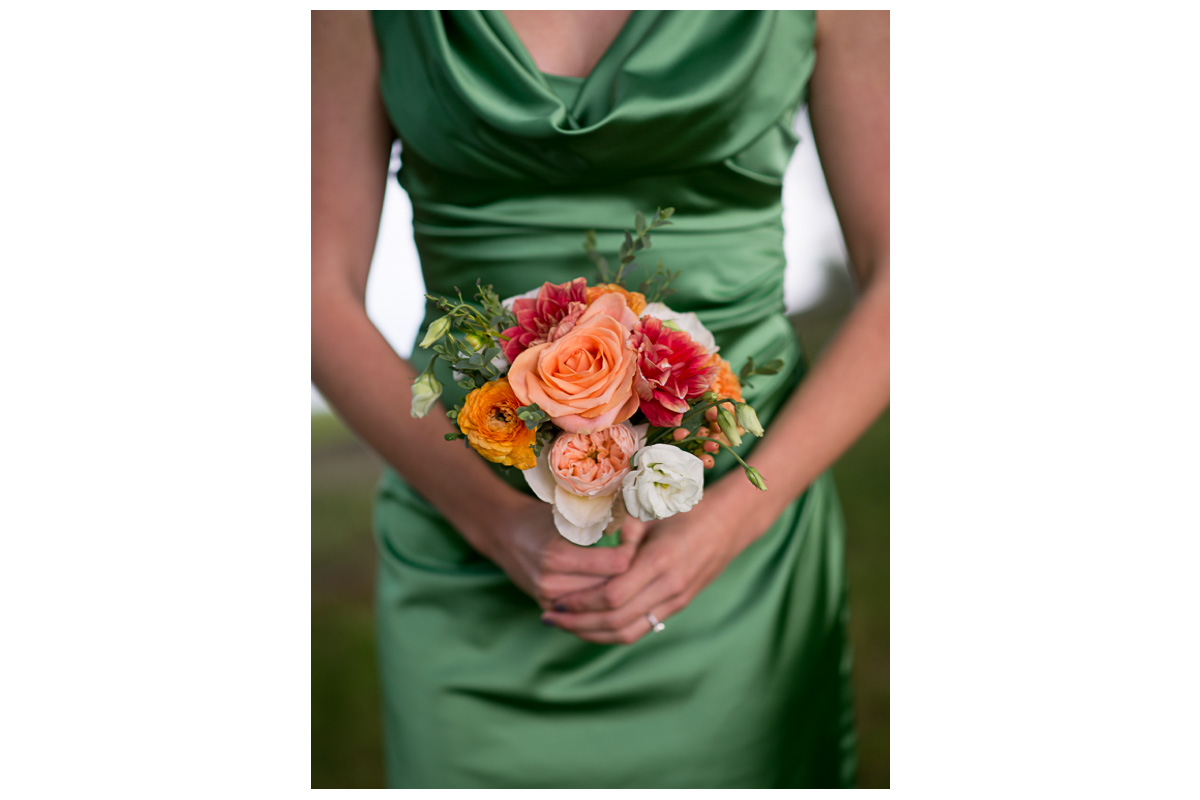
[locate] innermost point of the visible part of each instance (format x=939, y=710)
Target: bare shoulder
x=868, y=29
x=343, y=40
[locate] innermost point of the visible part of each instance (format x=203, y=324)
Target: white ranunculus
x=579, y=518
x=689, y=323
x=664, y=482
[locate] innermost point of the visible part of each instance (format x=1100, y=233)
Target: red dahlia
x=546, y=317
x=672, y=369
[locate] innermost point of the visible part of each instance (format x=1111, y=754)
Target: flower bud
x=756, y=478
x=437, y=329
x=748, y=419
x=426, y=391
x=476, y=341
x=728, y=426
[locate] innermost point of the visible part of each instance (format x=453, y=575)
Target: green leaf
x=532, y=416
x=772, y=367
x=639, y=220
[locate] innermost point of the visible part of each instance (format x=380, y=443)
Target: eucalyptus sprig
x=642, y=241
x=632, y=245
x=532, y=416
x=470, y=336
x=489, y=320
x=655, y=288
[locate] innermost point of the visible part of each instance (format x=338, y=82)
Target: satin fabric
x=506, y=168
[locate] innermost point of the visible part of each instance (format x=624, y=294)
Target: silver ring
x=655, y=625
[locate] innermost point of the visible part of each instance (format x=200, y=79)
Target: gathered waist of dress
x=727, y=278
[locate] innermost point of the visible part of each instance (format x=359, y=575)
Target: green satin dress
x=507, y=167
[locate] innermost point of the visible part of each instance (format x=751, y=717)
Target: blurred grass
x=347, y=749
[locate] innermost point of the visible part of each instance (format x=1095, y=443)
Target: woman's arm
x=356, y=369
x=846, y=389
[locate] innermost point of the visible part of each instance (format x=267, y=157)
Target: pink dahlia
x=546, y=317
x=672, y=369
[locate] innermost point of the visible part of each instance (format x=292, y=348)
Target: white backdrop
x=811, y=239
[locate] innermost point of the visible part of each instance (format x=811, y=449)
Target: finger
x=555, y=585
x=633, y=531
x=637, y=629
x=566, y=557
x=616, y=592
x=656, y=595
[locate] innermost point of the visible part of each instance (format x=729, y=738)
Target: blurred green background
x=347, y=749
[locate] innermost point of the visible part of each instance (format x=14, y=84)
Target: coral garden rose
x=583, y=380
x=580, y=475
x=635, y=300
x=672, y=369
x=489, y=419
x=593, y=464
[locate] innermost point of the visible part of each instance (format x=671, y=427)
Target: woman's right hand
x=543, y=564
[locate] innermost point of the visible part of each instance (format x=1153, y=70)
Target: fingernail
x=560, y=608
x=549, y=623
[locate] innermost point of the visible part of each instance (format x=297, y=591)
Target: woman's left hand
x=675, y=559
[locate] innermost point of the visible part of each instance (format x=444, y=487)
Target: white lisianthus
x=664, y=482
x=689, y=323
x=426, y=391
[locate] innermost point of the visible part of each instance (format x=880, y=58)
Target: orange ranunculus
x=489, y=419
x=635, y=300
x=726, y=384
x=584, y=380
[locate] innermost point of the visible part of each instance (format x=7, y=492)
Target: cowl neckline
x=631, y=34
x=675, y=90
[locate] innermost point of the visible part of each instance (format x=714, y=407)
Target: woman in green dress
x=510, y=657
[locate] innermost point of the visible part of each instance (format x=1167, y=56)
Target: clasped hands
x=603, y=594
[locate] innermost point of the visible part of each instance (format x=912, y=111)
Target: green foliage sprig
x=749, y=370
x=655, y=286
x=469, y=336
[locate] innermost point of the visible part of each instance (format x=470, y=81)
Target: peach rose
x=635, y=300
x=584, y=380
x=489, y=419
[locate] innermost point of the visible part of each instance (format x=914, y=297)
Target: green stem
x=689, y=414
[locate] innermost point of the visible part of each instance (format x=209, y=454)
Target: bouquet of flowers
x=609, y=403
